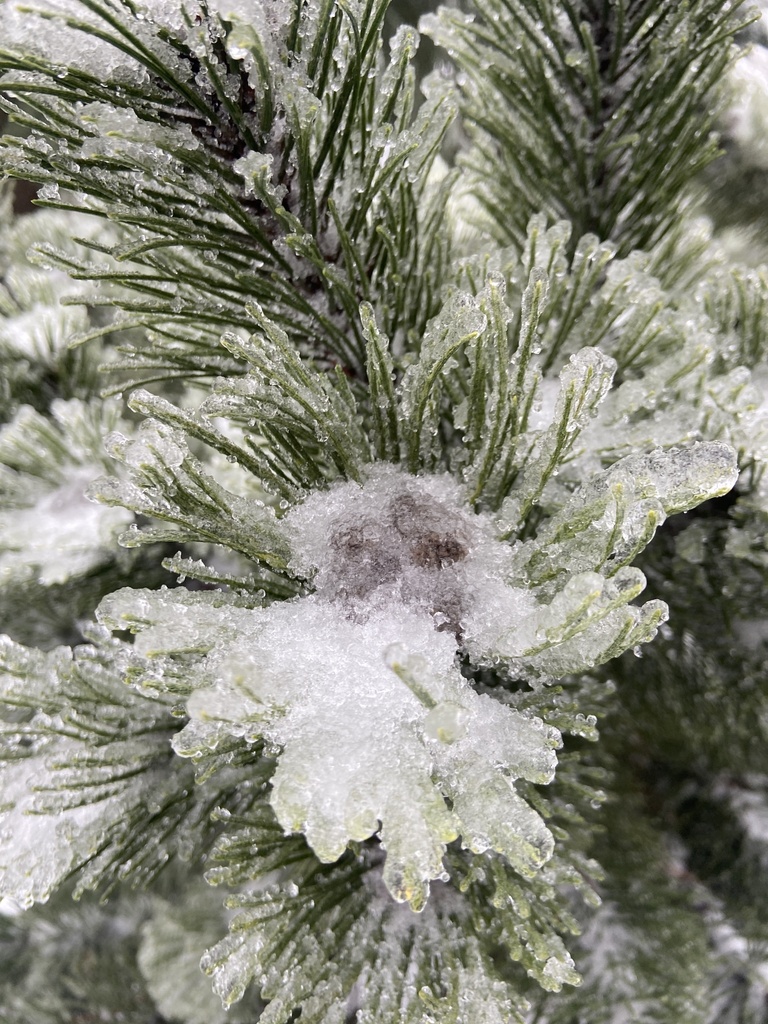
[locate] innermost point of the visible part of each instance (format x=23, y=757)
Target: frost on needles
x=400, y=461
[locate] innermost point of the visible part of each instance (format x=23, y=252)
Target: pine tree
x=351, y=399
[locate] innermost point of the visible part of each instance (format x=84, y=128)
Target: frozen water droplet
x=446, y=723
x=49, y=192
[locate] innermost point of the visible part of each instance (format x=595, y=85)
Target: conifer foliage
x=360, y=664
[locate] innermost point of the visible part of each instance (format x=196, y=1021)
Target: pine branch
x=289, y=205
x=598, y=113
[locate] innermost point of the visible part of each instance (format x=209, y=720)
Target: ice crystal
x=374, y=726
x=57, y=37
x=356, y=687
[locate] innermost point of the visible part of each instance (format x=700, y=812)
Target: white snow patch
x=62, y=535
